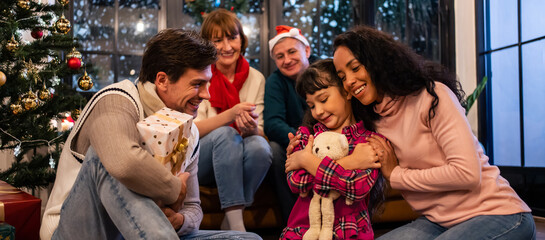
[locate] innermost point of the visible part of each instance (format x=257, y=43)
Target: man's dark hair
x=173, y=51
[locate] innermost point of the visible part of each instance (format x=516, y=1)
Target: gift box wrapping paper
x=165, y=135
x=20, y=210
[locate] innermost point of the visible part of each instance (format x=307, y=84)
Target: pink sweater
x=443, y=172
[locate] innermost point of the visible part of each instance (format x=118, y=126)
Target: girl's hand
x=294, y=141
x=300, y=159
x=363, y=157
x=386, y=155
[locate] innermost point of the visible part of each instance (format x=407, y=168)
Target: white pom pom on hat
x=283, y=31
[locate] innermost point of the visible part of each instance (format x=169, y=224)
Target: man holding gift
x=107, y=185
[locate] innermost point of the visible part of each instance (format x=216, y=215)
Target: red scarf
x=224, y=94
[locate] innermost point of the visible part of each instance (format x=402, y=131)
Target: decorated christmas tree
x=38, y=58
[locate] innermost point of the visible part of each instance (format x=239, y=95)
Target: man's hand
x=176, y=206
x=176, y=219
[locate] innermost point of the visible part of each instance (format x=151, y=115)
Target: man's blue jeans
x=100, y=207
x=520, y=226
x=235, y=165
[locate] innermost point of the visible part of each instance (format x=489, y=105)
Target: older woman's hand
x=247, y=124
x=386, y=155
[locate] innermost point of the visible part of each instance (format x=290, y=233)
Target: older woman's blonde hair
x=220, y=23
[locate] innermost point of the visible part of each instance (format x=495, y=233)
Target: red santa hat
x=283, y=31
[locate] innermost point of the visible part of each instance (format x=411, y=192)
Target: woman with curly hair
x=432, y=156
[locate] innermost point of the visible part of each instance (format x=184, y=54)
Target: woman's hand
x=386, y=155
x=301, y=159
x=363, y=157
x=294, y=141
x=247, y=124
x=242, y=107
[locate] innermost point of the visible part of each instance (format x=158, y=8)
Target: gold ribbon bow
x=177, y=156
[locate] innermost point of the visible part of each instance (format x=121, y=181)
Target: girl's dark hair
x=394, y=68
x=320, y=75
x=173, y=51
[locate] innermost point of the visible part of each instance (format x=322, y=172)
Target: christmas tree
x=34, y=99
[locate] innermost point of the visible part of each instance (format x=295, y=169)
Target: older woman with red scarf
x=234, y=154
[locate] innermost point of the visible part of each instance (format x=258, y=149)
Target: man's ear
x=161, y=81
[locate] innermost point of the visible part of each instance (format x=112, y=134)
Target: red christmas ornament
x=74, y=63
x=37, y=33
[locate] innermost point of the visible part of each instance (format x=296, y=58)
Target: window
x=512, y=56
x=424, y=25
x=511, y=53
x=113, y=34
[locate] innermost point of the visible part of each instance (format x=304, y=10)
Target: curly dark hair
x=173, y=51
x=394, y=68
x=322, y=74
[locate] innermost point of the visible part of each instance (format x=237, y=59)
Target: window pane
x=505, y=107
x=533, y=57
x=138, y=22
x=300, y=14
x=532, y=18
x=101, y=72
x=502, y=22
x=335, y=18
x=129, y=67
x=94, y=24
x=251, y=23
x=415, y=24
x=254, y=62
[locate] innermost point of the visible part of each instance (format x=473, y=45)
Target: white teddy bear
x=335, y=146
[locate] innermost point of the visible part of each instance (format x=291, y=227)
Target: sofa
x=265, y=212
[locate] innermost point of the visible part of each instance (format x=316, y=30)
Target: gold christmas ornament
x=74, y=54
x=44, y=94
x=30, y=101
x=16, y=108
x=64, y=2
x=63, y=25
x=3, y=78
x=24, y=4
x=12, y=44
x=75, y=114
x=85, y=82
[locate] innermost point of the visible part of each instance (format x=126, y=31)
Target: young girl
x=330, y=110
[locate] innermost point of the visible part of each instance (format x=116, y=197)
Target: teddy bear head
x=331, y=144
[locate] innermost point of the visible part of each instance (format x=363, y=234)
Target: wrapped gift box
x=20, y=210
x=165, y=135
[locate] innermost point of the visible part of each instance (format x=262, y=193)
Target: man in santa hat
x=284, y=108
